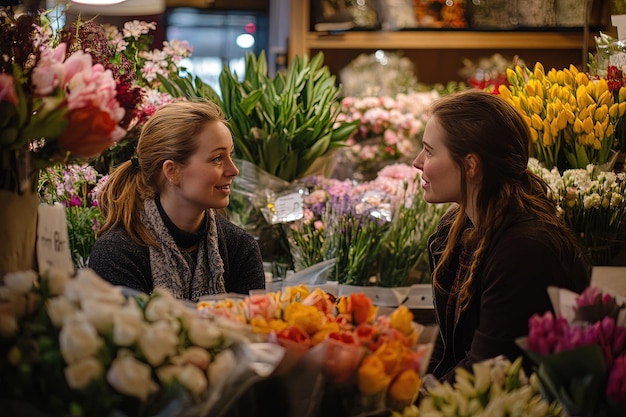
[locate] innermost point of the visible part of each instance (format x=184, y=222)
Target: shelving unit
x=437, y=54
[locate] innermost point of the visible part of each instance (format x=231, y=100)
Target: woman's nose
x=417, y=162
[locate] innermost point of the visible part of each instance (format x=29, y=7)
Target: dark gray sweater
x=120, y=261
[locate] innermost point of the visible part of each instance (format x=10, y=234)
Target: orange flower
x=323, y=332
x=294, y=334
x=295, y=294
x=359, y=306
x=323, y=301
x=88, y=133
x=369, y=335
x=371, y=376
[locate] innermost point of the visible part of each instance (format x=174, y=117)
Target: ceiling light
x=98, y=2
x=118, y=7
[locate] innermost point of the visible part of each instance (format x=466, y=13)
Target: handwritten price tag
x=53, y=248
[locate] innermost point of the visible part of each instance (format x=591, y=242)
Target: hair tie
x=135, y=161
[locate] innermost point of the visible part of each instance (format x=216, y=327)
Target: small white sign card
x=53, y=245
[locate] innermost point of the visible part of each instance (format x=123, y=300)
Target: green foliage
x=282, y=124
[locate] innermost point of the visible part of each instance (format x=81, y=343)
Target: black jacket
x=511, y=286
x=121, y=261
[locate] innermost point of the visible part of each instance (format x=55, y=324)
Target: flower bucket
x=18, y=231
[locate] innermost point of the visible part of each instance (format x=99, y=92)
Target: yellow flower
x=309, y=318
x=405, y=386
x=371, y=376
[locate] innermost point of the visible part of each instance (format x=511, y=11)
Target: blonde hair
x=169, y=134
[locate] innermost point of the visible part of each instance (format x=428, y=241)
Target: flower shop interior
x=327, y=101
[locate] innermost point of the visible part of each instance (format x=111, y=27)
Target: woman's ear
x=170, y=171
x=473, y=167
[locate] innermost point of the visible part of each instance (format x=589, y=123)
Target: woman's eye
x=217, y=159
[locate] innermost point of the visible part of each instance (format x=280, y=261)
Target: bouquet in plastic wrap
x=360, y=361
x=78, y=346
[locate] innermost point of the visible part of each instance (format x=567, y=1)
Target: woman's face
x=441, y=176
x=206, y=179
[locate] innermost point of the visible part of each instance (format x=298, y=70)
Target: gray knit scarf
x=171, y=266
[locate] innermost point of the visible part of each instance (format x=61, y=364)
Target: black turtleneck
x=183, y=238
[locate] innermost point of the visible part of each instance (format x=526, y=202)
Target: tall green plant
x=282, y=124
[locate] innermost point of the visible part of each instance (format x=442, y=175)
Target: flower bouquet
x=581, y=352
x=368, y=362
x=495, y=387
x=593, y=205
x=76, y=187
x=572, y=119
x=78, y=346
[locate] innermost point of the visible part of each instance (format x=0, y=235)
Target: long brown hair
x=169, y=134
x=486, y=125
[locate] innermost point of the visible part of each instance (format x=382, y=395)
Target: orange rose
x=359, y=306
x=89, y=132
x=321, y=300
x=404, y=389
x=369, y=335
x=294, y=334
x=371, y=376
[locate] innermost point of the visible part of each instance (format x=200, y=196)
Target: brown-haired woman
x=501, y=244
x=161, y=227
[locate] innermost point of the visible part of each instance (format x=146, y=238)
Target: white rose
x=163, y=306
x=193, y=379
x=57, y=279
x=194, y=355
x=59, y=308
x=87, y=284
x=78, y=338
x=131, y=377
x=99, y=313
x=127, y=324
x=204, y=333
x=20, y=282
x=80, y=373
x=223, y=364
x=168, y=373
x=15, y=302
x=157, y=342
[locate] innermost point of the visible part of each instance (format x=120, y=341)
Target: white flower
x=127, y=324
x=131, y=377
x=204, y=333
x=223, y=364
x=15, y=303
x=78, y=338
x=194, y=355
x=157, y=342
x=99, y=313
x=80, y=373
x=20, y=282
x=57, y=279
x=163, y=306
x=58, y=308
x=192, y=378
x=87, y=284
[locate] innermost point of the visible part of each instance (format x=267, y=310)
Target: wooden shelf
x=444, y=40
x=438, y=53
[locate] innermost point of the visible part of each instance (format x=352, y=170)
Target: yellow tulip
x=530, y=88
x=591, y=90
x=578, y=126
x=582, y=79
x=583, y=113
x=539, y=71
x=614, y=110
x=534, y=135
x=610, y=129
x=601, y=87
x=569, y=114
x=601, y=113
x=582, y=97
x=606, y=98
x=597, y=145
x=536, y=105
x=371, y=376
x=547, y=139
x=622, y=94
x=406, y=386
x=561, y=120
x=598, y=130
x=554, y=127
x=588, y=125
x=568, y=77
x=550, y=111
x=536, y=122
x=504, y=91
x=511, y=75
x=524, y=102
x=622, y=108
x=520, y=72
